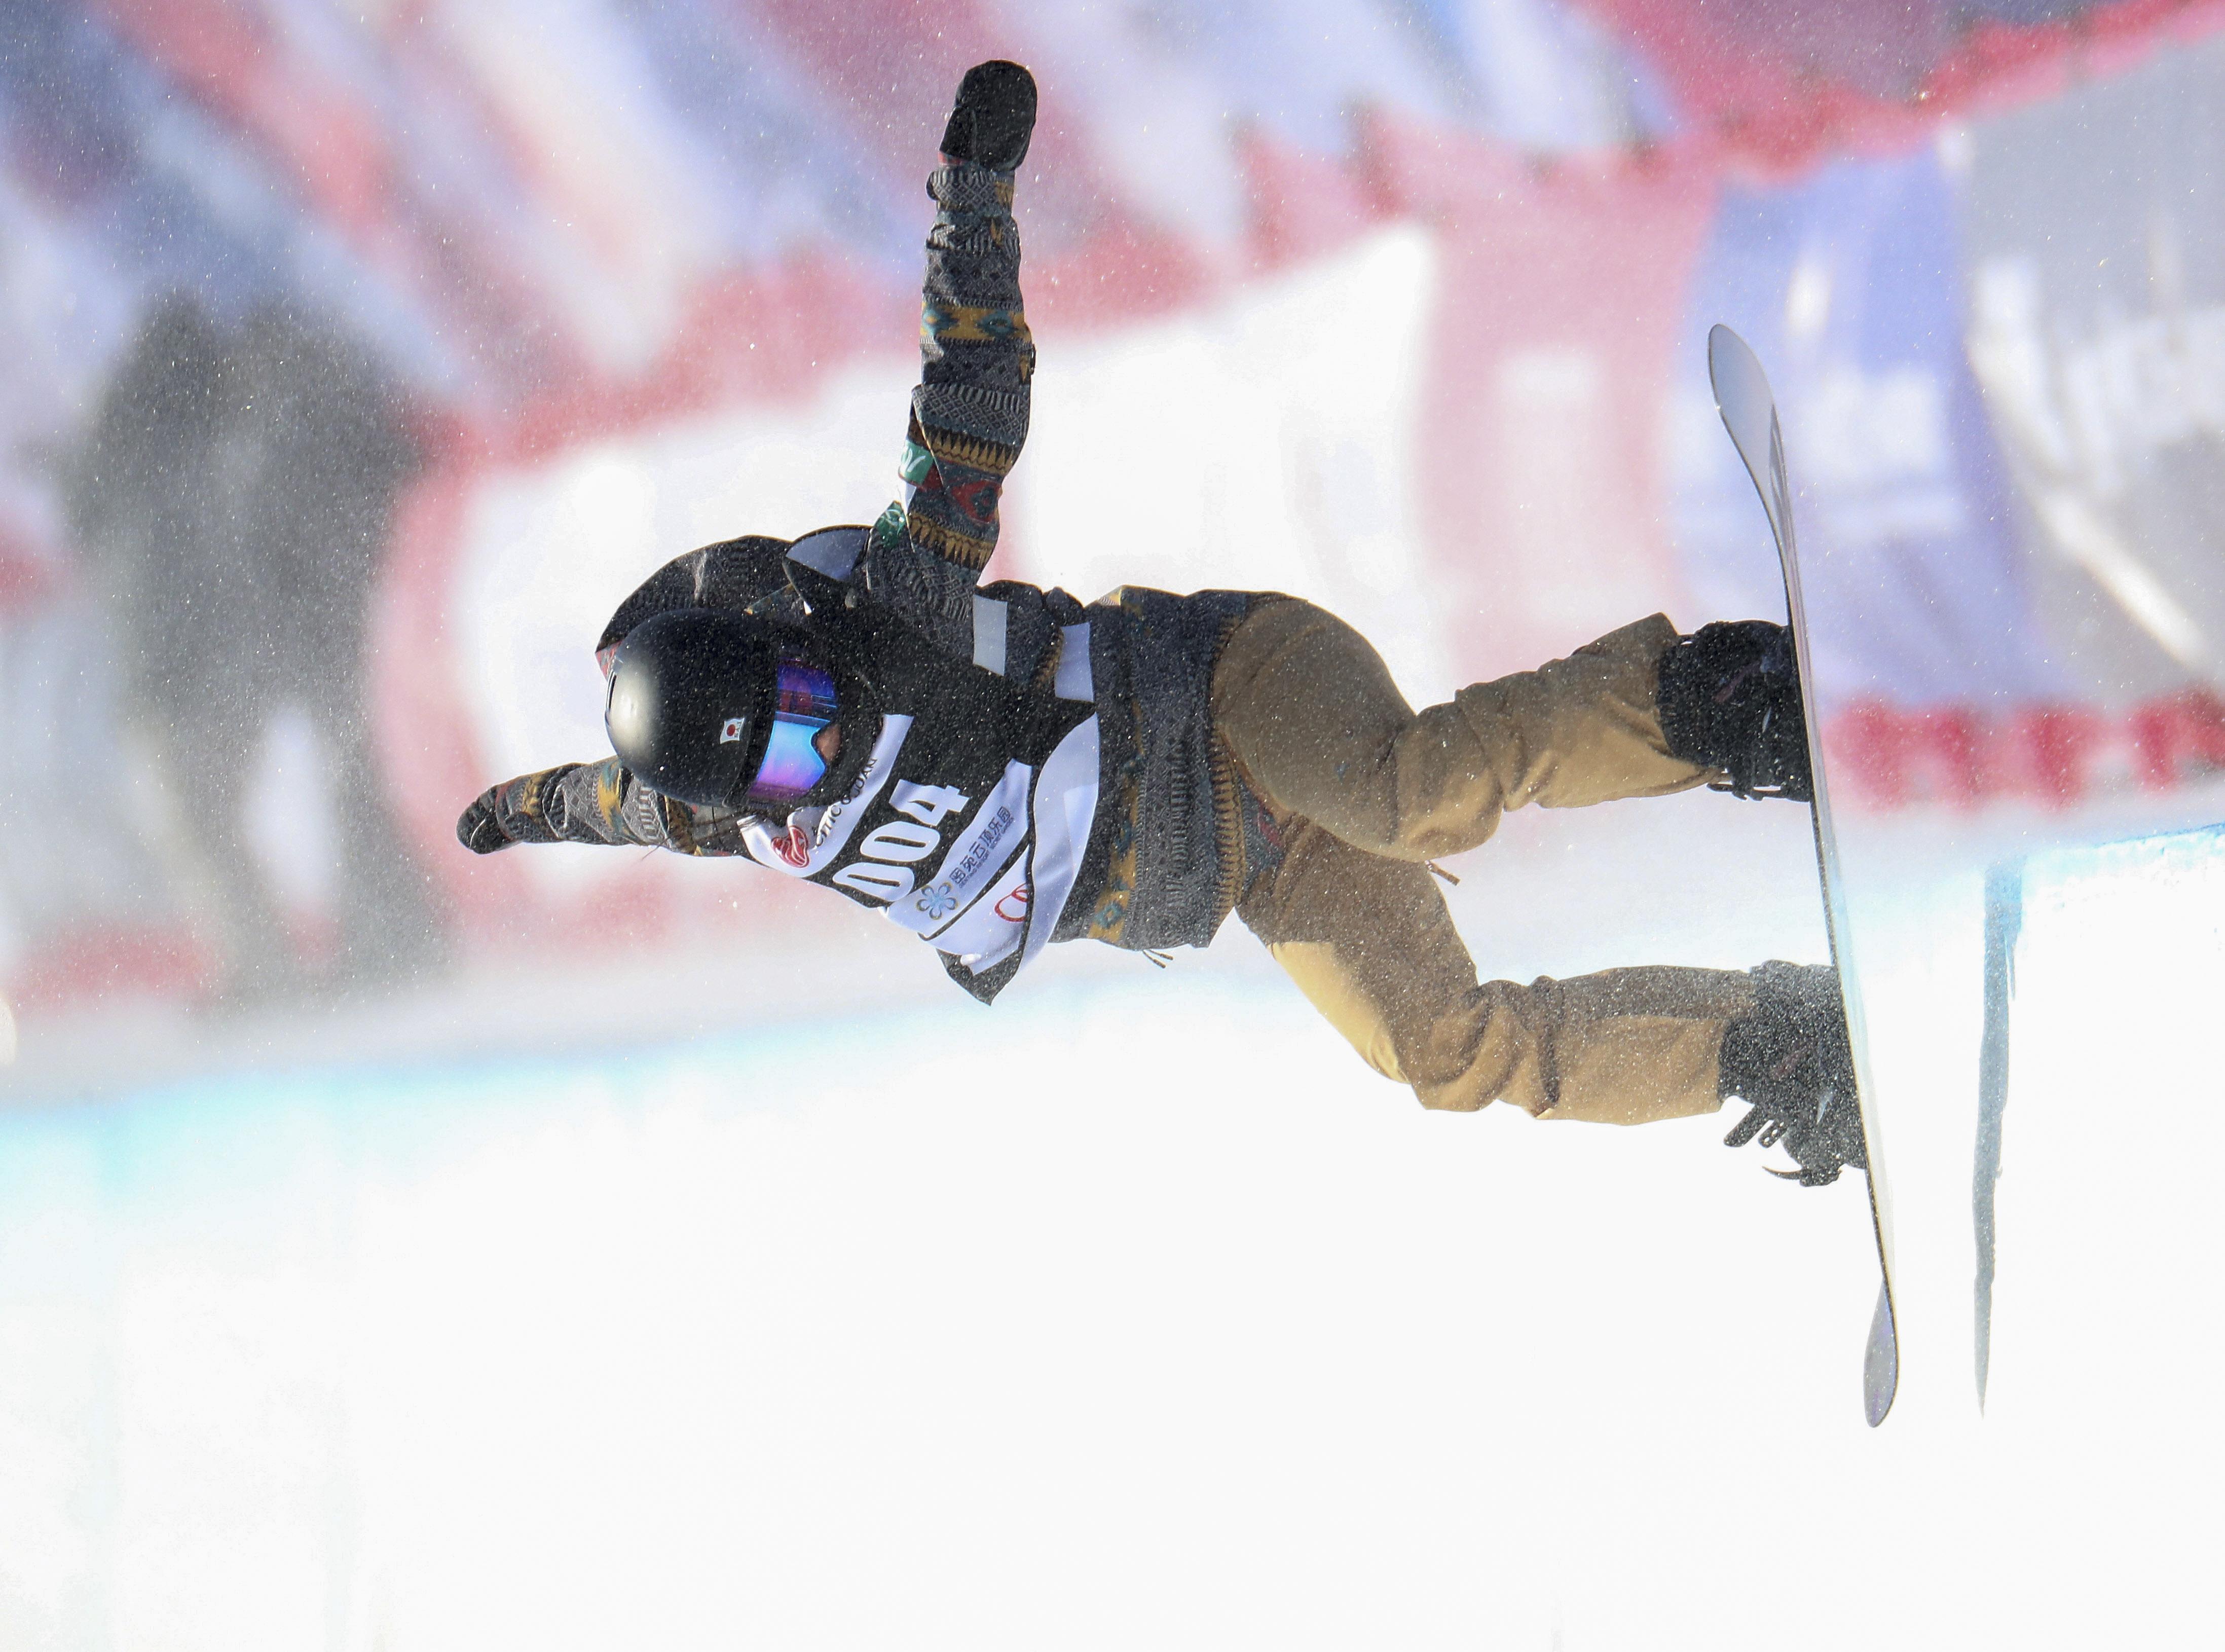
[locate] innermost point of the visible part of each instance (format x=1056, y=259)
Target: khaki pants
x=1367, y=792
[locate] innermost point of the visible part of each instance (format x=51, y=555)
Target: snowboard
x=1749, y=412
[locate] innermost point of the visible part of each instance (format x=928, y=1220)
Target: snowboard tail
x=1749, y=413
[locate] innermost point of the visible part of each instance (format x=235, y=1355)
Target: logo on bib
x=1016, y=898
x=793, y=846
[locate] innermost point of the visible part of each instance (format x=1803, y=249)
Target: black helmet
x=717, y=708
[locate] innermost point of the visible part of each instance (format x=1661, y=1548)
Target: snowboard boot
x=994, y=116
x=1791, y=1060
x=1729, y=699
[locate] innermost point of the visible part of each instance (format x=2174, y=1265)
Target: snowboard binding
x=1730, y=699
x=1792, y=1062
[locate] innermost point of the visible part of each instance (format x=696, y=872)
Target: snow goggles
x=804, y=704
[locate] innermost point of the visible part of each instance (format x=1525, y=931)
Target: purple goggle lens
x=804, y=704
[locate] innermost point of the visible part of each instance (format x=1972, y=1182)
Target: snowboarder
x=998, y=767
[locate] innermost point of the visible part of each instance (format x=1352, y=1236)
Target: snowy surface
x=1134, y=1313
x=2111, y=1235
x=784, y=1298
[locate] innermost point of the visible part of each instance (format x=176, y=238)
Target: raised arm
x=969, y=414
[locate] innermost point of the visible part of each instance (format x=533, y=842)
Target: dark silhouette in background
x=230, y=504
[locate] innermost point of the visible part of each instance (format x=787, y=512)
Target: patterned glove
x=514, y=812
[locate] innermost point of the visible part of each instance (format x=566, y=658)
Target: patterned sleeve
x=602, y=802
x=969, y=415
